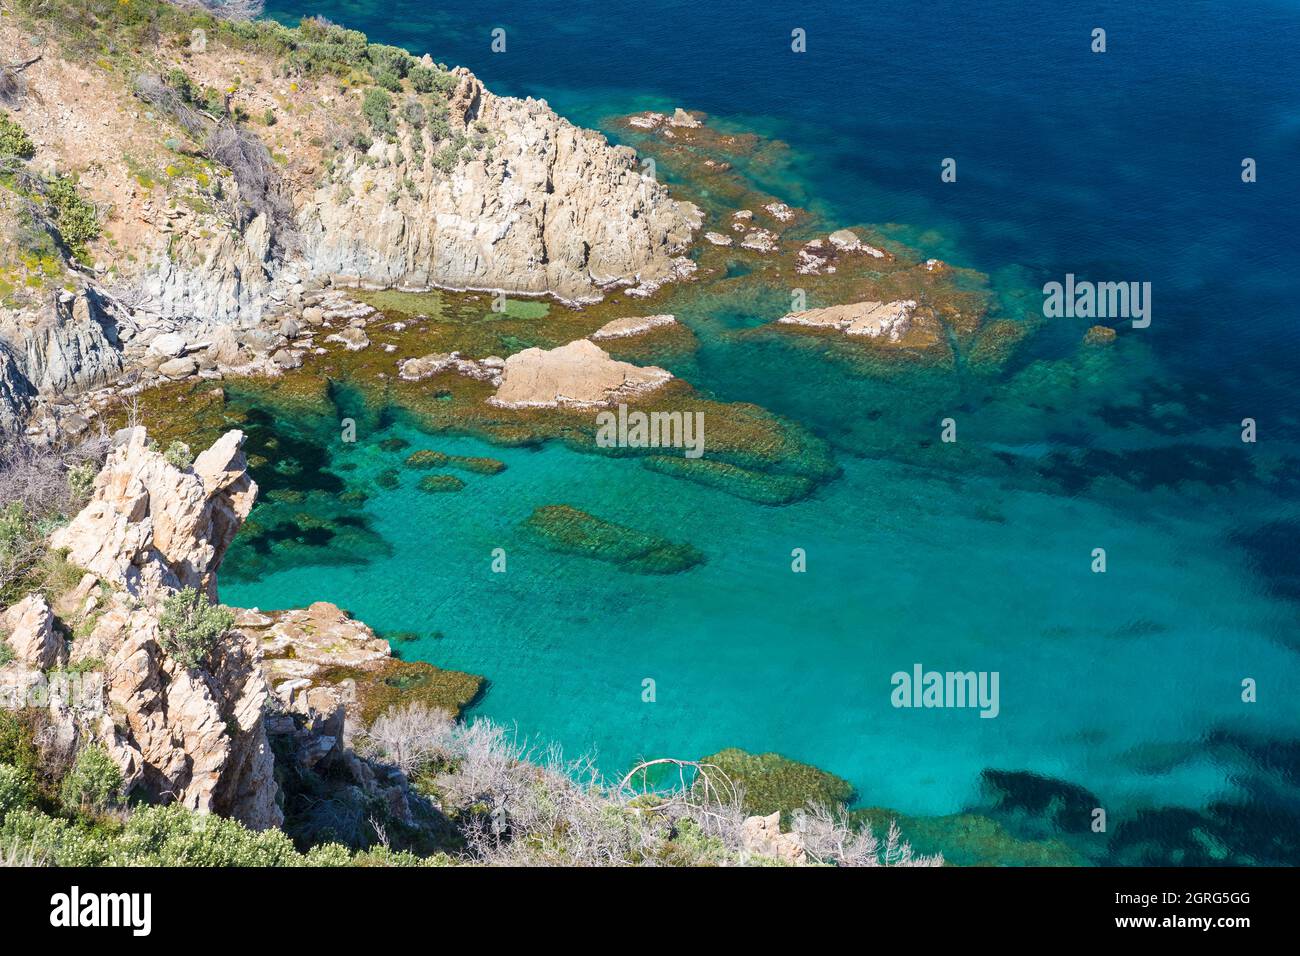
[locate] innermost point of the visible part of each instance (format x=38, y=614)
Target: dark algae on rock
x=567, y=530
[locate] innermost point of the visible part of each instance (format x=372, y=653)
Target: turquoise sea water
x=1122, y=166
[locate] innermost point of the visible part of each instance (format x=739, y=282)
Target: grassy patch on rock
x=397, y=682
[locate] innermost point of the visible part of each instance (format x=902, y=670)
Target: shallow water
x=974, y=556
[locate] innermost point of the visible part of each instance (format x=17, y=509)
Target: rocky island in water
x=282, y=305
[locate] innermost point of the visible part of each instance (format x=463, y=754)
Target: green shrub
x=178, y=455
x=439, y=128
x=377, y=107
x=389, y=59
x=16, y=791
x=446, y=158
x=426, y=79
x=173, y=836
x=55, y=841
x=190, y=626
x=18, y=749
x=94, y=782
x=6, y=652
x=15, y=525
x=269, y=117
x=422, y=78
x=389, y=81
x=180, y=81
x=14, y=140
x=75, y=216
x=20, y=547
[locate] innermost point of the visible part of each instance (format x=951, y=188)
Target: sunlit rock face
x=549, y=207
x=150, y=525
x=578, y=375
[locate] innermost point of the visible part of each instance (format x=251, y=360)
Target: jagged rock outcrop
x=67, y=345
x=16, y=393
x=548, y=207
x=222, y=279
x=578, y=375
x=197, y=734
x=75, y=349
x=28, y=627
x=193, y=735
x=150, y=525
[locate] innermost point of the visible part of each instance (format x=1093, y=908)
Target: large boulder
x=150, y=525
x=578, y=375
x=28, y=628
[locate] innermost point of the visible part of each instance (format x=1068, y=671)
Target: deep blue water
x=1117, y=166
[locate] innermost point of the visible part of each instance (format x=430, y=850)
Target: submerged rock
x=1099, y=335
x=570, y=531
x=440, y=483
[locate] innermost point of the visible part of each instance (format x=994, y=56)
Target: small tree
x=190, y=626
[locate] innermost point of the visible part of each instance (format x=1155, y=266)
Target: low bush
x=190, y=626
x=377, y=107
x=14, y=140
x=16, y=791
x=94, y=782
x=74, y=215
x=178, y=455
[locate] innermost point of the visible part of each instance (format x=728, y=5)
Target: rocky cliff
x=211, y=223
x=191, y=734
x=549, y=208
